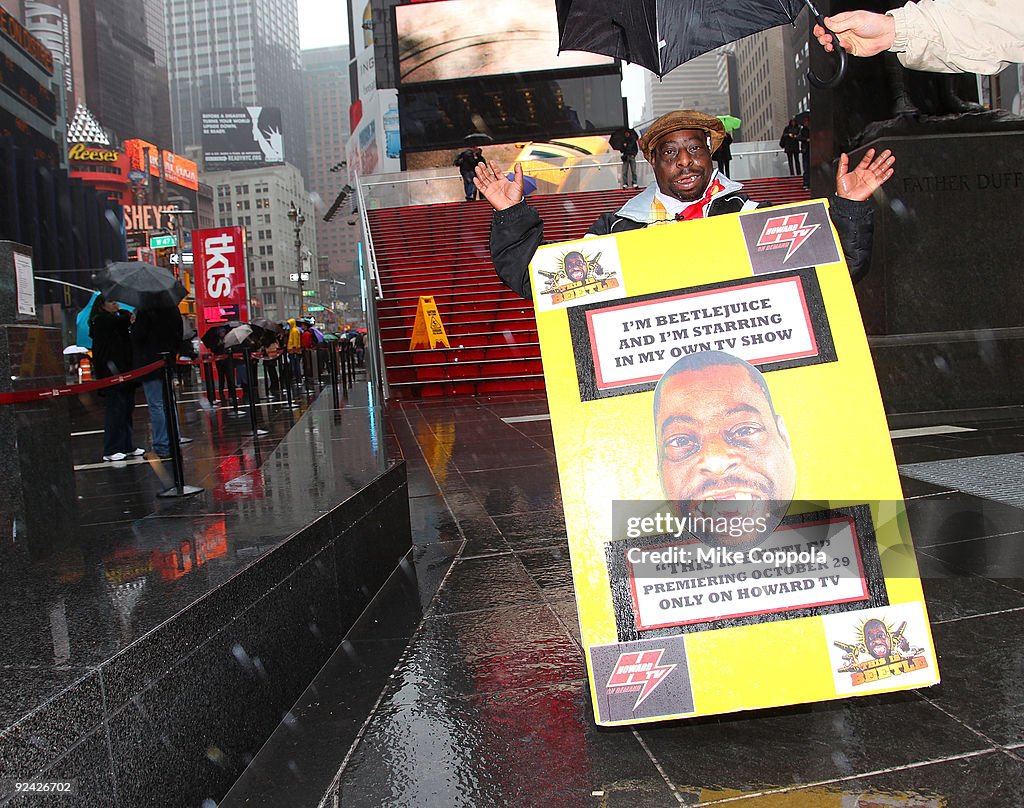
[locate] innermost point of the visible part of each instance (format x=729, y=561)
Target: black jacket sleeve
x=854, y=223
x=516, y=233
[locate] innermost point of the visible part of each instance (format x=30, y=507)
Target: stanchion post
x=348, y=358
x=173, y=435
x=332, y=370
x=206, y=368
x=232, y=382
x=250, y=388
x=286, y=377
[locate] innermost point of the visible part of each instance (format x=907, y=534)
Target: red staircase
x=441, y=250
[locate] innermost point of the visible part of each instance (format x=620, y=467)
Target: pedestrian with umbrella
x=236, y=341
x=267, y=333
x=213, y=339
x=110, y=332
x=156, y=330
x=723, y=154
x=626, y=142
x=467, y=161
x=679, y=146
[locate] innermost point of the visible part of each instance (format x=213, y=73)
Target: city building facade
x=235, y=53
x=702, y=83
x=110, y=55
x=325, y=80
x=771, y=69
x=259, y=200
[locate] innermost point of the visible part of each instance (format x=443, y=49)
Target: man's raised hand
x=497, y=189
x=866, y=178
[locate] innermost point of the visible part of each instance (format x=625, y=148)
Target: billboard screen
x=180, y=171
x=219, y=267
x=506, y=36
x=374, y=146
x=509, y=108
x=242, y=137
x=142, y=156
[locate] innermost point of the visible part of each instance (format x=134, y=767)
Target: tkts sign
x=220, y=286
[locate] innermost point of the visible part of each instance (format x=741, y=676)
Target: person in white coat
x=941, y=36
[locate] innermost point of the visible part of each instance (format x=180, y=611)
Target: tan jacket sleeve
x=959, y=36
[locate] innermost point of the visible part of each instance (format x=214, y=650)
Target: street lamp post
x=298, y=219
x=175, y=217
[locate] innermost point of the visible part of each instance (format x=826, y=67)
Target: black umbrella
x=264, y=332
x=662, y=34
x=139, y=284
x=265, y=324
x=214, y=338
x=617, y=139
x=478, y=139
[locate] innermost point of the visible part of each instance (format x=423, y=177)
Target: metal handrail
x=375, y=292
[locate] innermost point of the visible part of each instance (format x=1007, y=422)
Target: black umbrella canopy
x=139, y=284
x=662, y=34
x=214, y=338
x=265, y=324
x=265, y=331
x=617, y=139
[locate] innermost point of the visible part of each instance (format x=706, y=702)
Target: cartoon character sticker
x=878, y=649
x=585, y=272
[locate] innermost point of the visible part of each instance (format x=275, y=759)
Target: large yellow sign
x=734, y=513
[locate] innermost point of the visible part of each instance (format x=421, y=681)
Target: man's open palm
x=497, y=188
x=866, y=178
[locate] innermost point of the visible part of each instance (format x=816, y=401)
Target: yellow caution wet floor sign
x=428, y=330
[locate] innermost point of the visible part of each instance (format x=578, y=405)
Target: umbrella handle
x=837, y=49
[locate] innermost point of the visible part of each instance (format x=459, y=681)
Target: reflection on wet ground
x=474, y=692
x=133, y=561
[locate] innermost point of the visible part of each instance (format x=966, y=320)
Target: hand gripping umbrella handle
x=837, y=49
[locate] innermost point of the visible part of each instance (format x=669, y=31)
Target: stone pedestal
x=945, y=287
x=37, y=485
x=942, y=303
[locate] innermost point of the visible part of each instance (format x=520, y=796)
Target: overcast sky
x=322, y=23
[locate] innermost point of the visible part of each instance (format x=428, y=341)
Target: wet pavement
x=133, y=561
x=464, y=684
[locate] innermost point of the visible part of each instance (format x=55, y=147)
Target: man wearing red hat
x=679, y=146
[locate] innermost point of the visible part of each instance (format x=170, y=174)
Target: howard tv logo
x=789, y=238
x=638, y=672
x=788, y=233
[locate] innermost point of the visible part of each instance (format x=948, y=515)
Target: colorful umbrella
x=730, y=122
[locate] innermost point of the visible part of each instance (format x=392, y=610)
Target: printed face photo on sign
x=723, y=451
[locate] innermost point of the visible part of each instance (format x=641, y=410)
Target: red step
x=442, y=251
